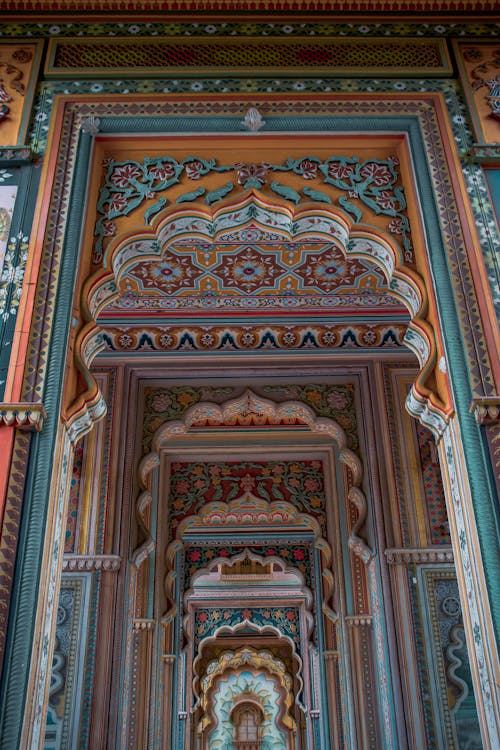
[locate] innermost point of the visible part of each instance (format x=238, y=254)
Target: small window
x=247, y=727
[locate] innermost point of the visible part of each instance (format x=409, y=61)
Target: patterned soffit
x=431, y=8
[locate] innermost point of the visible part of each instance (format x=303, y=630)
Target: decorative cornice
x=24, y=416
x=402, y=555
x=330, y=655
x=91, y=562
x=357, y=621
x=16, y=155
x=486, y=410
x=113, y=7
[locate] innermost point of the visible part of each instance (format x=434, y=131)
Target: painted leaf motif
x=350, y=208
x=152, y=210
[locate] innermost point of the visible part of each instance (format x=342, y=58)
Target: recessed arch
x=275, y=413
x=206, y=223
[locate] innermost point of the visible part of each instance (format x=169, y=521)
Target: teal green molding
x=482, y=488
x=22, y=614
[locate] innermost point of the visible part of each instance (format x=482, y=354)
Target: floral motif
x=329, y=270
x=378, y=173
x=362, y=181
x=339, y=170
x=308, y=169
x=396, y=225
x=122, y=176
x=12, y=274
x=109, y=228
x=252, y=175
x=118, y=203
x=196, y=484
x=249, y=269
x=163, y=171
x=285, y=619
x=333, y=401
x=168, y=274
x=194, y=169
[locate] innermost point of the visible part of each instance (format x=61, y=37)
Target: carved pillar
x=358, y=627
x=334, y=709
x=472, y=575
x=143, y=630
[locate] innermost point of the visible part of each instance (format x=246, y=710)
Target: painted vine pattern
x=332, y=401
x=285, y=619
x=129, y=184
x=193, y=485
x=298, y=556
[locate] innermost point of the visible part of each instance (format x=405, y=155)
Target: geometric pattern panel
x=325, y=335
x=246, y=269
x=433, y=486
x=170, y=56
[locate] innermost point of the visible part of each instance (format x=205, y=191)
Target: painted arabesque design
x=373, y=182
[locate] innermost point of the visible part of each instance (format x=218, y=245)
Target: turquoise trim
x=486, y=509
x=22, y=614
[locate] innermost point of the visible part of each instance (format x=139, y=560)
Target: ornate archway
x=82, y=403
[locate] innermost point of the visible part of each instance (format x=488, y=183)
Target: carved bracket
x=24, y=416
x=92, y=562
x=486, y=410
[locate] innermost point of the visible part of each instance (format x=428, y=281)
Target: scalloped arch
x=261, y=660
x=275, y=414
x=292, y=223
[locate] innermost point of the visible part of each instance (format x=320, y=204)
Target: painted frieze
x=479, y=65
x=19, y=62
x=335, y=401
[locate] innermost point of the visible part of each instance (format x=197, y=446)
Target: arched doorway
x=87, y=344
